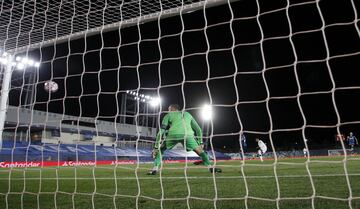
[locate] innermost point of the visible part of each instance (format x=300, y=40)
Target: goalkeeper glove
x=199, y=141
x=154, y=152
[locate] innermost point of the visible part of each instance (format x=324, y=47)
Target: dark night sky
x=95, y=71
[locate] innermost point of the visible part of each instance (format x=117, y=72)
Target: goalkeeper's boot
x=199, y=162
x=152, y=172
x=215, y=170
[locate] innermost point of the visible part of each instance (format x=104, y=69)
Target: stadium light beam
x=207, y=112
x=8, y=61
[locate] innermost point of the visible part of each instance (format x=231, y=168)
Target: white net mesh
x=35, y=23
x=283, y=71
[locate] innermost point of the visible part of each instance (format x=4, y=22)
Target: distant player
x=261, y=148
x=305, y=152
x=243, y=142
x=182, y=128
x=352, y=141
x=243, y=146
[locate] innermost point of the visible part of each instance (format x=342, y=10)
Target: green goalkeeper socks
x=205, y=158
x=157, y=161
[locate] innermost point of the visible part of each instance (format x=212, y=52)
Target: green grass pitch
x=128, y=186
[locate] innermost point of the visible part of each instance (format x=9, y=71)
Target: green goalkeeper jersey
x=179, y=124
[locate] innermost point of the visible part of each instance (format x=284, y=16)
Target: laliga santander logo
x=80, y=163
x=63, y=163
x=18, y=164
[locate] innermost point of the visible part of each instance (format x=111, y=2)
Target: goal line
x=188, y=177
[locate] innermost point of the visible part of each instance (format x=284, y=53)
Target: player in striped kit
x=261, y=148
x=352, y=141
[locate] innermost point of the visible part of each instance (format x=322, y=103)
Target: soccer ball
x=51, y=86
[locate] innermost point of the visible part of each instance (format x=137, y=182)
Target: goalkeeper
x=180, y=128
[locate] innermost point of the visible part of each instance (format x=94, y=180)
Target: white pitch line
x=181, y=177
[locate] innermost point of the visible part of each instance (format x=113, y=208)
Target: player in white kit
x=305, y=152
x=261, y=148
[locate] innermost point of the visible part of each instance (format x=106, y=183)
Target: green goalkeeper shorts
x=190, y=142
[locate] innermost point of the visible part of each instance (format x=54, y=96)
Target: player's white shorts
x=262, y=151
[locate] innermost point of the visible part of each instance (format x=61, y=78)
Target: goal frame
x=188, y=8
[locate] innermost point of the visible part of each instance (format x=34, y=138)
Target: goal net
x=85, y=86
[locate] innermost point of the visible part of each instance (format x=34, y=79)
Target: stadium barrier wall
x=234, y=156
x=37, y=164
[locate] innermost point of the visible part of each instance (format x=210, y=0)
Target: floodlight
x=24, y=60
x=206, y=112
x=20, y=66
x=155, y=101
x=30, y=62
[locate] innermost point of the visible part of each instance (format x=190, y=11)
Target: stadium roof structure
x=27, y=118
